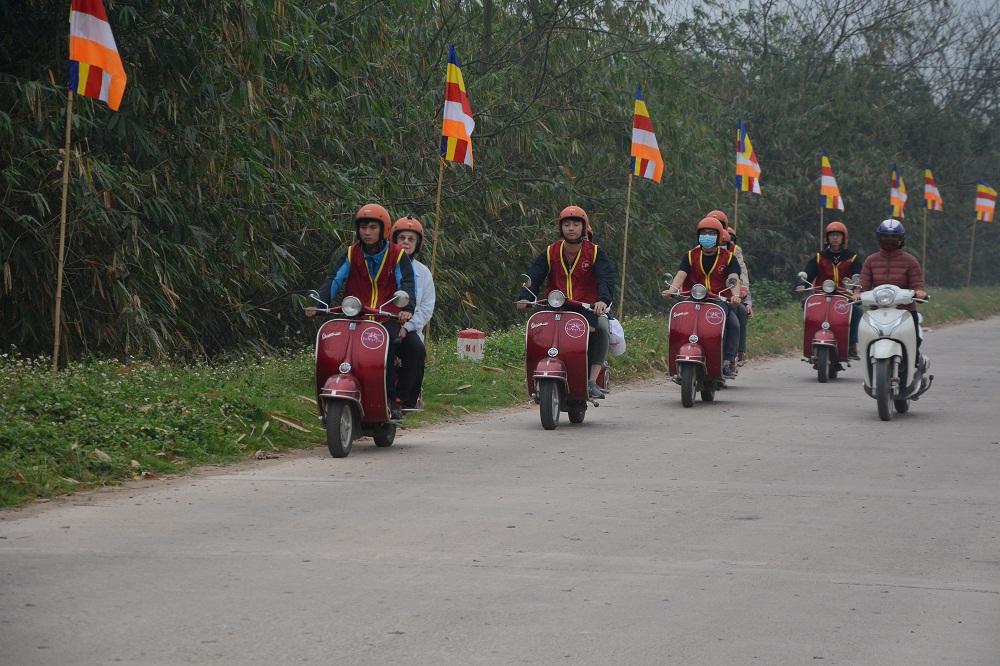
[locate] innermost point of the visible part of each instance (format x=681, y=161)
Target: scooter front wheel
x=340, y=424
x=883, y=394
x=548, y=404
x=822, y=364
x=688, y=384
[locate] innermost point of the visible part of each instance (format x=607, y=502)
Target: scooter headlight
x=556, y=298
x=829, y=286
x=351, y=306
x=885, y=296
x=699, y=291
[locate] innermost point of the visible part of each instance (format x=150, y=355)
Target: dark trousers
x=731, y=336
x=741, y=315
x=412, y=355
x=855, y=320
x=392, y=327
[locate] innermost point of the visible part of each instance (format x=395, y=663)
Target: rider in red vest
x=576, y=267
x=372, y=270
x=836, y=262
x=712, y=266
x=744, y=311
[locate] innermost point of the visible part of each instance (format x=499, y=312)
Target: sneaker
x=727, y=370
x=741, y=359
x=593, y=390
x=852, y=353
x=395, y=413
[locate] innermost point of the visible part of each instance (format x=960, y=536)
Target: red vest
x=373, y=292
x=827, y=270
x=715, y=280
x=579, y=281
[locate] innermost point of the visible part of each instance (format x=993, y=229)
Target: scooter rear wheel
x=577, y=412
x=883, y=396
x=902, y=406
x=340, y=425
x=708, y=395
x=687, y=384
x=385, y=435
x=822, y=364
x=548, y=404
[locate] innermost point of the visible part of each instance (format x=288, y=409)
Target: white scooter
x=888, y=339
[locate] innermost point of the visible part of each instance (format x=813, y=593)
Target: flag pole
x=923, y=249
x=437, y=233
x=628, y=206
x=736, y=208
x=972, y=248
x=821, y=209
x=57, y=314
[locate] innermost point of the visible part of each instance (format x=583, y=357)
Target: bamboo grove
x=251, y=130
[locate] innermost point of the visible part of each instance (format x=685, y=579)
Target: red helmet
x=724, y=237
x=711, y=223
x=836, y=226
x=409, y=223
x=719, y=215
x=376, y=213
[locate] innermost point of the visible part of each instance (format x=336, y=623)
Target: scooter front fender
x=885, y=348
x=691, y=353
x=343, y=387
x=826, y=338
x=549, y=368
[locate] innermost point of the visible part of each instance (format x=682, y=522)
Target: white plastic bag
x=617, y=337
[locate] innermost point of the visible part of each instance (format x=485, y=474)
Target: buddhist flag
x=829, y=193
x=897, y=194
x=456, y=129
x=931, y=194
x=747, y=166
x=646, y=158
x=986, y=202
x=95, y=68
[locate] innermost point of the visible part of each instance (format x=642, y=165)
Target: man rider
x=744, y=311
x=574, y=266
x=372, y=270
x=408, y=233
x=714, y=267
x=892, y=265
x=835, y=263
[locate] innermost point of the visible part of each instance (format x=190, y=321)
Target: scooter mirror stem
x=313, y=294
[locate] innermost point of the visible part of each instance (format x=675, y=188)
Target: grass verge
x=104, y=422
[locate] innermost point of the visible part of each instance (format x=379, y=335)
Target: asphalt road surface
x=784, y=524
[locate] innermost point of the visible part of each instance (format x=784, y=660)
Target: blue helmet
x=891, y=227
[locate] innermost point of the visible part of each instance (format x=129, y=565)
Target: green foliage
x=771, y=293
x=252, y=129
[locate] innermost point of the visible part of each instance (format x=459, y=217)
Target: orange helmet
x=836, y=226
x=574, y=212
x=724, y=237
x=711, y=223
x=719, y=215
x=409, y=223
x=376, y=213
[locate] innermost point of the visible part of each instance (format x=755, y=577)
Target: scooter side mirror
x=400, y=299
x=731, y=282
x=803, y=276
x=313, y=294
x=668, y=278
x=526, y=285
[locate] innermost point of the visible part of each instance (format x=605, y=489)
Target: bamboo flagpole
x=821, y=211
x=923, y=249
x=57, y=313
x=628, y=206
x=972, y=250
x=437, y=233
x=736, y=208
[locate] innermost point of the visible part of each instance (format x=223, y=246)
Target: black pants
x=412, y=354
x=741, y=315
x=855, y=320
x=731, y=335
x=392, y=328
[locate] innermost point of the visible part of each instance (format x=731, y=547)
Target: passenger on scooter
x=372, y=270
x=744, y=311
x=574, y=266
x=708, y=264
x=408, y=233
x=836, y=262
x=892, y=265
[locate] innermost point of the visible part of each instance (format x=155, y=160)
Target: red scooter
x=555, y=359
x=827, y=327
x=696, y=326
x=351, y=356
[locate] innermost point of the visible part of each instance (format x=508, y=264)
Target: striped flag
x=456, y=129
x=986, y=202
x=646, y=158
x=931, y=194
x=829, y=193
x=897, y=194
x=95, y=68
x=747, y=166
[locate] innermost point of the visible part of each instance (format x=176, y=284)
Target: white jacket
x=426, y=297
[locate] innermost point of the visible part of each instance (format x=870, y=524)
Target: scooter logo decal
x=575, y=328
x=329, y=335
x=373, y=337
x=537, y=324
x=680, y=314
x=842, y=307
x=814, y=304
x=714, y=316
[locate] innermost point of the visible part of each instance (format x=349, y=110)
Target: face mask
x=707, y=241
x=888, y=244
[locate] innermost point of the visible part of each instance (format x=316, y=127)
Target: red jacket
x=579, y=281
x=893, y=267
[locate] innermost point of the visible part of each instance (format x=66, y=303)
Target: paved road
x=783, y=525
